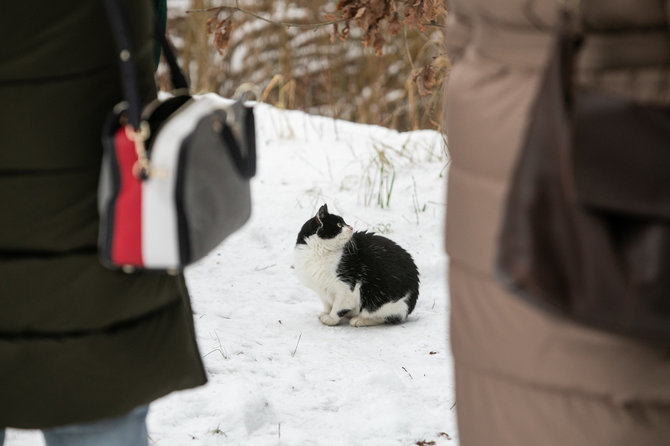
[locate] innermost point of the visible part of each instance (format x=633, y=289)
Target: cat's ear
x=323, y=212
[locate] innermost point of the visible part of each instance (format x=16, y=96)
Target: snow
x=277, y=376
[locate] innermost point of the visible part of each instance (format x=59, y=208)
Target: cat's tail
x=411, y=299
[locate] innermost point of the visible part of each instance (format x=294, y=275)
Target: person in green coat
x=79, y=344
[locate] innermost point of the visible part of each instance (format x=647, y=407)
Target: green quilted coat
x=77, y=342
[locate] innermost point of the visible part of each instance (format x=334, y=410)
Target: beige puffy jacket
x=523, y=377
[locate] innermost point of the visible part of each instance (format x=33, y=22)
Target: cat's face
x=330, y=230
x=332, y=227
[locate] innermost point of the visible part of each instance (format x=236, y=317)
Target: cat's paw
x=327, y=319
x=362, y=322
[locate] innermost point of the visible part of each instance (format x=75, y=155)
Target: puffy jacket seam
x=65, y=77
x=76, y=334
x=534, y=385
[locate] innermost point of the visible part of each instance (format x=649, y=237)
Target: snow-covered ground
x=277, y=376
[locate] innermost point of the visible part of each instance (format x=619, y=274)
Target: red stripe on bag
x=127, y=237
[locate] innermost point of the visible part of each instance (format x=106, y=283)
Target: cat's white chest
x=316, y=269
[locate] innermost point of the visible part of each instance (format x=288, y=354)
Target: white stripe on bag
x=160, y=239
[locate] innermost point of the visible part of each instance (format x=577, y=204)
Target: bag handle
x=137, y=130
x=241, y=147
x=118, y=23
x=569, y=42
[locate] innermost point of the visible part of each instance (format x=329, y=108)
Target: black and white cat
x=360, y=275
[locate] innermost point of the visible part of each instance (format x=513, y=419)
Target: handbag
x=175, y=174
x=585, y=232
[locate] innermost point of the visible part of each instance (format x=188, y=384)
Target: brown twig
x=235, y=8
x=296, y=346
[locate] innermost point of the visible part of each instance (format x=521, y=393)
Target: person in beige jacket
x=523, y=377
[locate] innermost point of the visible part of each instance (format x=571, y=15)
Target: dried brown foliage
x=394, y=26
x=221, y=32
x=309, y=55
x=370, y=16
x=373, y=15
x=425, y=79
x=419, y=13
x=380, y=17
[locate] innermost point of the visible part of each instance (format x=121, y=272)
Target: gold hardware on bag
x=142, y=167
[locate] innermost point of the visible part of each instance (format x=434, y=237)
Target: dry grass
x=302, y=69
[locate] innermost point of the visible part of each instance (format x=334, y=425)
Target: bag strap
x=569, y=41
x=118, y=23
x=177, y=77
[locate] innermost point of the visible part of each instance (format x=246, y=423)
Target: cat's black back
x=386, y=271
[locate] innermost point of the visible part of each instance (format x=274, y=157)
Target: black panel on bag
x=217, y=197
x=182, y=222
x=586, y=228
x=622, y=155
